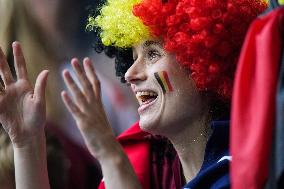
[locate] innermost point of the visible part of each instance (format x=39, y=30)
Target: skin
x=22, y=114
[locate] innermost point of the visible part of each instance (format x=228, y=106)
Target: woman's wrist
x=31, y=142
x=109, y=150
x=31, y=155
x=116, y=167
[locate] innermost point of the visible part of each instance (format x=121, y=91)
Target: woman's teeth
x=145, y=97
x=146, y=93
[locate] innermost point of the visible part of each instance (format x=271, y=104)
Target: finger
x=92, y=76
x=70, y=105
x=19, y=61
x=40, y=86
x=5, y=71
x=74, y=89
x=86, y=85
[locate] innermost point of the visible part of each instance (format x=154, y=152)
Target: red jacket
x=137, y=147
x=153, y=158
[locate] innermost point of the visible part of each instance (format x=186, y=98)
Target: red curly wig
x=205, y=35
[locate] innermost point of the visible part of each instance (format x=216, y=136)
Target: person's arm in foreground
x=23, y=116
x=88, y=112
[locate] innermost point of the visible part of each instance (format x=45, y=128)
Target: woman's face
x=166, y=94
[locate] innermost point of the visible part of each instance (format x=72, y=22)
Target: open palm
x=22, y=108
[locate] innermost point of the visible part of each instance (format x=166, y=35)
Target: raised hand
x=87, y=108
x=22, y=107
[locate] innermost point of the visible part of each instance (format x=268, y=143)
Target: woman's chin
x=149, y=125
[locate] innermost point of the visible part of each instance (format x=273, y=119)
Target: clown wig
x=205, y=35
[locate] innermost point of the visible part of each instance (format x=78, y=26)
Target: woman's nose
x=136, y=72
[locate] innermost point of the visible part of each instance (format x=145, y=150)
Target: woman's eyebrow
x=149, y=43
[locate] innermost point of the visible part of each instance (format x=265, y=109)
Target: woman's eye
x=152, y=54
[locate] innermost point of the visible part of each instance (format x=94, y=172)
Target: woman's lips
x=145, y=105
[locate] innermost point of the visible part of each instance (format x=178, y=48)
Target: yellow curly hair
x=128, y=31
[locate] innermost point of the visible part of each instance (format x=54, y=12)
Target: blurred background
x=51, y=33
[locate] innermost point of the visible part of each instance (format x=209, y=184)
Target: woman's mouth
x=146, y=99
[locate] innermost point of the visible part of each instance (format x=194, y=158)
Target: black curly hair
x=123, y=58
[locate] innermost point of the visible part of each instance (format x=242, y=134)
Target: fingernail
x=47, y=71
x=74, y=59
x=64, y=72
x=15, y=43
x=86, y=59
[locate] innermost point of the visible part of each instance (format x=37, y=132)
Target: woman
x=181, y=75
x=204, y=38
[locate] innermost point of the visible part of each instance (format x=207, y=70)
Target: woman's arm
x=23, y=116
x=88, y=112
x=30, y=164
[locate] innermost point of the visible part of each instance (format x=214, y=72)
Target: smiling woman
x=181, y=67
x=184, y=57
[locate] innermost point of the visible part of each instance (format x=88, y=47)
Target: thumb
x=40, y=85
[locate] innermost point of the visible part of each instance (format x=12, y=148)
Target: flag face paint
x=163, y=79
